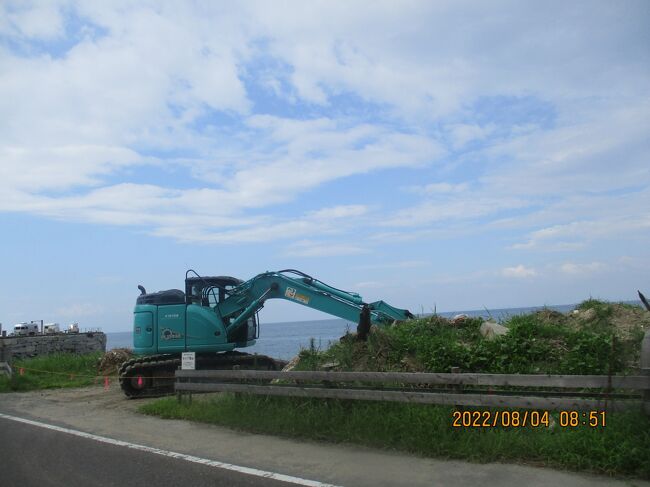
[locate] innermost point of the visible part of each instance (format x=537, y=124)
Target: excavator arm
x=292, y=285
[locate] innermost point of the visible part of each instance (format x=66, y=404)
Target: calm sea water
x=284, y=340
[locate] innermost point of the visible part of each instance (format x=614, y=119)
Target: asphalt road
x=37, y=455
x=33, y=456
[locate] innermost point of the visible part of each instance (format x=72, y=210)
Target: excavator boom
x=307, y=291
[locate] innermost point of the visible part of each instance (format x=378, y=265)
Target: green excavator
x=216, y=315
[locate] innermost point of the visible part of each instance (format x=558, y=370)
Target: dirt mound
x=627, y=321
x=596, y=338
x=551, y=317
x=111, y=360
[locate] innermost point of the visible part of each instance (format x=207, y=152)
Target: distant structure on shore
x=34, y=338
x=37, y=327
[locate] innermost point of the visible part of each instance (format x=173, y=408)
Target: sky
x=436, y=155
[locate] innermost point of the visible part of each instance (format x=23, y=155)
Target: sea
x=285, y=340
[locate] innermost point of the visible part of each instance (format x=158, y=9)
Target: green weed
x=426, y=430
x=52, y=371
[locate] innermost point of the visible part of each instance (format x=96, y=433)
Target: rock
x=491, y=330
x=459, y=319
x=588, y=314
x=292, y=364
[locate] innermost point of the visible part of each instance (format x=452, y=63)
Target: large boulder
x=491, y=330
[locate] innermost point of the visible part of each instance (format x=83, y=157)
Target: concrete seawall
x=32, y=346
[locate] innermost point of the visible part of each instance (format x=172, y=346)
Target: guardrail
x=221, y=381
x=576, y=392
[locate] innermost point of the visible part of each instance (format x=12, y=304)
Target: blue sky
x=455, y=155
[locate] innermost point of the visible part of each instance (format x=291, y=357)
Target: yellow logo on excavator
x=292, y=294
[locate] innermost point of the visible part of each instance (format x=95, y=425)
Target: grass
x=51, y=372
x=539, y=343
x=622, y=447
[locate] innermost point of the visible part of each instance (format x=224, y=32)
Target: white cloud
x=462, y=134
x=573, y=268
x=439, y=188
x=230, y=123
x=36, y=20
x=31, y=169
x=156, y=78
x=265, y=228
x=341, y=211
x=487, y=49
x=518, y=272
x=586, y=152
x=269, y=178
x=575, y=235
x=313, y=152
x=464, y=207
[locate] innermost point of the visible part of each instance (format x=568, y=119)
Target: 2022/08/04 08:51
x=523, y=419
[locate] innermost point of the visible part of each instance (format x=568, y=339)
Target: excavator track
x=153, y=375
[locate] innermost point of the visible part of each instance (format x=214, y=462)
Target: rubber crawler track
x=153, y=375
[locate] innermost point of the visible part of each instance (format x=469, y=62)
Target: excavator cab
x=209, y=290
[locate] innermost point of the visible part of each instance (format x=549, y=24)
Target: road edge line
x=167, y=453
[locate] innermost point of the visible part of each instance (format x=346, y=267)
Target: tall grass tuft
x=52, y=371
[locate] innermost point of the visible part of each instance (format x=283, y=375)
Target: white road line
x=189, y=458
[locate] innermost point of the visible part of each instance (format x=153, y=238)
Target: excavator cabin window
x=208, y=291
x=197, y=296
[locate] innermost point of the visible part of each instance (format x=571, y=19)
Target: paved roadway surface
x=33, y=455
